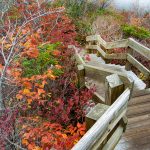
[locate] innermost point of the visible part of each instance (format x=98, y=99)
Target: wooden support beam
x=95, y=114
x=139, y=66
x=100, y=73
x=116, y=56
x=112, y=142
x=141, y=49
x=114, y=88
x=81, y=76
x=102, y=53
x=117, y=44
x=101, y=125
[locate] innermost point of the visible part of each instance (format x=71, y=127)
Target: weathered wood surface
x=137, y=135
x=100, y=73
x=141, y=49
x=139, y=66
x=107, y=56
x=114, y=88
x=130, y=60
x=145, y=51
x=108, y=45
x=98, y=129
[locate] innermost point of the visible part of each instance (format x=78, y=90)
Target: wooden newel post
x=114, y=88
x=81, y=76
x=128, y=65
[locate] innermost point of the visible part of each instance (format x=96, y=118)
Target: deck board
x=137, y=135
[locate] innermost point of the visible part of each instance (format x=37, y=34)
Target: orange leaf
x=31, y=146
x=58, y=66
x=28, y=85
x=29, y=101
x=79, y=125
x=19, y=96
x=45, y=139
x=25, y=142
x=56, y=53
x=40, y=91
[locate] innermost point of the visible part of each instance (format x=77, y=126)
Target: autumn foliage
x=47, y=102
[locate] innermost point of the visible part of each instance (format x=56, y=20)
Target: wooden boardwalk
x=137, y=134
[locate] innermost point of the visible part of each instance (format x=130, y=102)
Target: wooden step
x=134, y=144
x=137, y=119
x=139, y=100
x=139, y=128
x=138, y=110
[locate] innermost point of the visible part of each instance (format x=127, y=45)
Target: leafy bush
x=137, y=32
x=45, y=60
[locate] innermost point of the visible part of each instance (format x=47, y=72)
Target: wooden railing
x=97, y=43
x=107, y=121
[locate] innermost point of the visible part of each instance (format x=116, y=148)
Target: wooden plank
x=138, y=119
x=95, y=114
x=141, y=93
x=108, y=45
x=81, y=76
x=117, y=44
x=107, y=56
x=139, y=100
x=97, y=48
x=138, y=110
x=136, y=143
x=138, y=65
x=114, y=139
x=109, y=131
x=92, y=38
x=114, y=88
x=141, y=49
x=116, y=56
x=100, y=73
x=98, y=129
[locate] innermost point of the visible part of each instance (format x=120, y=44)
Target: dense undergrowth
x=42, y=105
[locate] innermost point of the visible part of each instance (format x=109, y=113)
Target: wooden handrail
x=130, y=42
x=98, y=129
x=139, y=48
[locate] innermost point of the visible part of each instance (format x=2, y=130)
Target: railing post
x=114, y=88
x=128, y=65
x=81, y=76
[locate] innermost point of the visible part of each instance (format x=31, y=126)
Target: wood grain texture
x=139, y=66
x=98, y=129
x=137, y=135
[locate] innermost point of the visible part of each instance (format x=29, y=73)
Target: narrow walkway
x=137, y=134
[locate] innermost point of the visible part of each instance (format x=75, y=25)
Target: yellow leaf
x=26, y=91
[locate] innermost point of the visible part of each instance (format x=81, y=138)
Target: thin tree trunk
x=1, y=97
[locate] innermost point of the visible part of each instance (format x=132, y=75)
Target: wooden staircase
x=120, y=91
